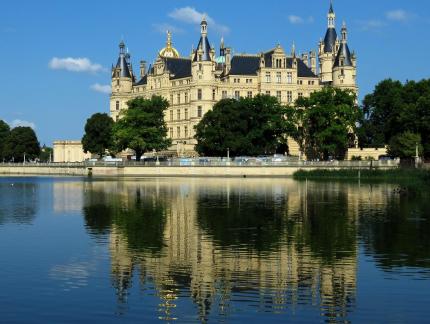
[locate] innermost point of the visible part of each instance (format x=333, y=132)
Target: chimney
x=142, y=68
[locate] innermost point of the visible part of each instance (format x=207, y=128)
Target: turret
x=121, y=75
x=344, y=70
x=327, y=48
x=203, y=68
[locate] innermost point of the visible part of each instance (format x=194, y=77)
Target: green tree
x=98, y=134
x=142, y=127
x=21, y=140
x=248, y=126
x=404, y=145
x=4, y=133
x=325, y=122
x=395, y=108
x=46, y=154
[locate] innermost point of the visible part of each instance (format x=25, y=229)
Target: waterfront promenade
x=181, y=168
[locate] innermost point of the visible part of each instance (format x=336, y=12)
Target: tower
x=344, y=67
x=122, y=82
x=203, y=74
x=327, y=48
x=121, y=75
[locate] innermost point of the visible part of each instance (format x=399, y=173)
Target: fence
x=215, y=163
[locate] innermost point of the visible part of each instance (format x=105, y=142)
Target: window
x=289, y=96
x=178, y=98
x=342, y=72
x=278, y=95
x=268, y=93
x=178, y=114
x=171, y=132
x=178, y=131
x=268, y=80
x=278, y=77
x=186, y=97
x=213, y=94
x=199, y=111
x=200, y=67
x=224, y=94
x=249, y=95
x=300, y=94
x=171, y=114
x=186, y=113
x=186, y=131
x=289, y=77
x=300, y=82
x=117, y=105
x=199, y=94
x=237, y=95
x=171, y=99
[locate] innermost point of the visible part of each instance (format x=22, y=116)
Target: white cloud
x=163, y=28
x=21, y=123
x=101, y=88
x=190, y=15
x=373, y=24
x=75, y=65
x=399, y=15
x=295, y=20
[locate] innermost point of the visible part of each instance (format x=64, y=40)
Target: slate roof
x=178, y=67
x=303, y=71
x=245, y=65
x=122, y=64
x=143, y=81
x=205, y=47
x=330, y=40
x=345, y=54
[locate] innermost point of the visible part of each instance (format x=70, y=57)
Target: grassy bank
x=393, y=175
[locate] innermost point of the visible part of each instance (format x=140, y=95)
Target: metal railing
x=213, y=162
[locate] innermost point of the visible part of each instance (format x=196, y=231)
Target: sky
x=56, y=56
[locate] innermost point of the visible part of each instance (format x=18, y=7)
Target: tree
x=395, y=108
x=98, y=134
x=248, y=126
x=404, y=145
x=4, y=133
x=142, y=127
x=325, y=122
x=46, y=154
x=21, y=140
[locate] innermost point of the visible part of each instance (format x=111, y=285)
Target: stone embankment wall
x=176, y=171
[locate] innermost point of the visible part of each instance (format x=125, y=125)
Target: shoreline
x=233, y=171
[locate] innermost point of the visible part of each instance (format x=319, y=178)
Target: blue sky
x=56, y=96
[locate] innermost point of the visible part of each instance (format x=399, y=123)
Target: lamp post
x=417, y=158
x=24, y=158
x=228, y=156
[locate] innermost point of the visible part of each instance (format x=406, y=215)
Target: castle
x=194, y=84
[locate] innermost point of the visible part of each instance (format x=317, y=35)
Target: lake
x=212, y=250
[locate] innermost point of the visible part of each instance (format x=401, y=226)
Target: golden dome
x=169, y=50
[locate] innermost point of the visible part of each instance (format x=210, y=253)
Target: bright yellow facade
x=193, y=84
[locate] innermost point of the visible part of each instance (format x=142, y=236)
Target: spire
x=122, y=63
x=331, y=17
x=331, y=11
x=293, y=49
x=204, y=26
x=203, y=50
x=344, y=32
x=169, y=50
x=343, y=57
x=331, y=35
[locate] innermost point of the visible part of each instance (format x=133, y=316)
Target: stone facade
x=193, y=84
x=69, y=151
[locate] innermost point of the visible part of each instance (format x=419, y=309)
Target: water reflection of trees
x=397, y=234
x=139, y=216
x=19, y=201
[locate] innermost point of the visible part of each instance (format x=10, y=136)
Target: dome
x=220, y=60
x=169, y=50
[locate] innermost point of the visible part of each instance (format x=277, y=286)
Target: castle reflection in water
x=275, y=243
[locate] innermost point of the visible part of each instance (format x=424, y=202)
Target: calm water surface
x=212, y=250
